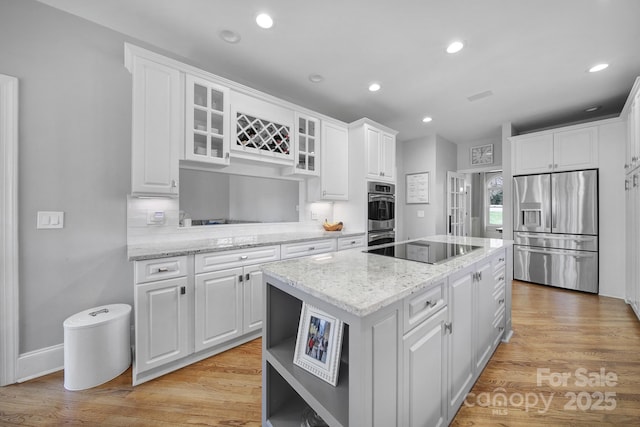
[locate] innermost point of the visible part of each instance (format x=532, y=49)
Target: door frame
x=9, y=267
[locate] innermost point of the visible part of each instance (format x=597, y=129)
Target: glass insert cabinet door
x=307, y=145
x=207, y=123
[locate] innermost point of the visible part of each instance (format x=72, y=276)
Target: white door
x=161, y=322
x=461, y=356
x=252, y=289
x=218, y=307
x=425, y=373
x=456, y=204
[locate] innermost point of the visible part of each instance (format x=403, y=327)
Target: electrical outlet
x=420, y=214
x=155, y=217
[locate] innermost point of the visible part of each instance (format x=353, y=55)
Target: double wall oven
x=381, y=216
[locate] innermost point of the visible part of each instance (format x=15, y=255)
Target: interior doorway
x=456, y=204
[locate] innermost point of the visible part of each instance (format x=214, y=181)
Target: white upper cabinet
x=261, y=130
x=561, y=150
x=306, y=146
x=333, y=183
x=380, y=149
x=206, y=121
x=631, y=112
x=156, y=127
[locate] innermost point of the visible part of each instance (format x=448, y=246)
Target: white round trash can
x=97, y=346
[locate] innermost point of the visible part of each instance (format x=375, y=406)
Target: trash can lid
x=96, y=316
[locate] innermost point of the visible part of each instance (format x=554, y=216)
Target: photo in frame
x=319, y=343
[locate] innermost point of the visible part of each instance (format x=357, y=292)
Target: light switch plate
x=50, y=219
x=420, y=214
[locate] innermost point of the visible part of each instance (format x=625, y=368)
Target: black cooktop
x=424, y=251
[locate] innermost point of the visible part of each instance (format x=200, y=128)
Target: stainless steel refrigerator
x=556, y=229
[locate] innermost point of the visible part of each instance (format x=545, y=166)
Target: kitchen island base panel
x=377, y=378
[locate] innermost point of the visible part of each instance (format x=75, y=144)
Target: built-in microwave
x=381, y=206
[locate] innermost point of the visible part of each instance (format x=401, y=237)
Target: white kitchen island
x=416, y=336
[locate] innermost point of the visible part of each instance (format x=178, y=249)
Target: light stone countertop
x=362, y=283
x=194, y=245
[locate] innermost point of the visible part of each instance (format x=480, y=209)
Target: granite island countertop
x=194, y=245
x=362, y=283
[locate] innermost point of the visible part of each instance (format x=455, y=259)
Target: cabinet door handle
x=448, y=327
x=247, y=277
x=183, y=290
x=550, y=166
x=240, y=277
x=226, y=156
x=174, y=183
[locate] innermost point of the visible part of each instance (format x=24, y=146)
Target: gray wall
x=74, y=151
x=435, y=155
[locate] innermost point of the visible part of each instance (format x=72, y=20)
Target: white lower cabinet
x=295, y=250
x=425, y=372
x=218, y=307
x=161, y=319
x=461, y=366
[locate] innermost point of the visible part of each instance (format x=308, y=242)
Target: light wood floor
x=560, y=331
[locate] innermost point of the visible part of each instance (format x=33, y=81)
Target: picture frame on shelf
x=318, y=344
x=482, y=154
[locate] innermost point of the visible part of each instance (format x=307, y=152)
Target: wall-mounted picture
x=318, y=344
x=482, y=155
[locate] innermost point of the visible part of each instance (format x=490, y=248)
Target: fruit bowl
x=332, y=226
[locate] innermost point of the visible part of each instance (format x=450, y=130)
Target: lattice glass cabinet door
x=207, y=122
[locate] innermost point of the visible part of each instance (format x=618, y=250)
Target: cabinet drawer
x=160, y=269
x=499, y=297
x=350, y=242
x=499, y=276
x=214, y=261
x=422, y=305
x=294, y=250
x=498, y=261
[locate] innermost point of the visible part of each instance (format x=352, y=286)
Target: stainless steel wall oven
x=381, y=216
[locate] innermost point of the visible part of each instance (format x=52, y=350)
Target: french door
x=456, y=204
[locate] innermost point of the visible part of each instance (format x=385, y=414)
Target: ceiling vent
x=480, y=95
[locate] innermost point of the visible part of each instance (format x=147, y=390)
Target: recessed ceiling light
x=427, y=119
x=229, y=36
x=598, y=67
x=264, y=21
x=316, y=78
x=374, y=87
x=455, y=47
x=592, y=109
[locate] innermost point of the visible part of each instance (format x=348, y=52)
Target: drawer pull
x=500, y=259
x=163, y=269
x=448, y=327
x=501, y=301
x=500, y=278
x=243, y=257
x=431, y=303
x=312, y=248
x=501, y=328
x=353, y=242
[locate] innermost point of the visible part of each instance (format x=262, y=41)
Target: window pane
x=495, y=206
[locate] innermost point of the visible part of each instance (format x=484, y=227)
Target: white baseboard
x=40, y=362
